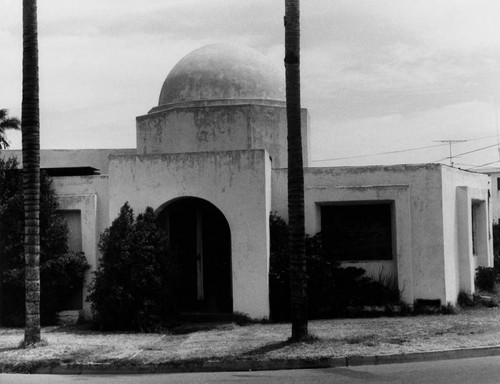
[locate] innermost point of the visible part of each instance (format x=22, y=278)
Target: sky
x=385, y=81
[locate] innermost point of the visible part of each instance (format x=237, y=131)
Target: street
x=463, y=371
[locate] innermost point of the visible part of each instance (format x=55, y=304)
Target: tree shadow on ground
x=279, y=345
x=187, y=328
x=8, y=349
x=267, y=348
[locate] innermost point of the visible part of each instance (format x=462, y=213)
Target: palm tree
x=297, y=253
x=7, y=122
x=30, y=127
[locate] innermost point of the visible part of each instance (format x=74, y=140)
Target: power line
x=465, y=165
x=466, y=153
x=450, y=142
x=379, y=154
x=483, y=165
x=482, y=138
x=398, y=151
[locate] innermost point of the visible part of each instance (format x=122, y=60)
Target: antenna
x=450, y=142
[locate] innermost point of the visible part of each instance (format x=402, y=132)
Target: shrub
x=61, y=271
x=279, y=283
x=331, y=288
x=131, y=289
x=485, y=278
x=466, y=300
x=496, y=247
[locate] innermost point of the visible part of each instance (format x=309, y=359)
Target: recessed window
x=357, y=231
x=474, y=212
x=74, y=220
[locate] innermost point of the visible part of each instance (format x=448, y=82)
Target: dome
x=222, y=71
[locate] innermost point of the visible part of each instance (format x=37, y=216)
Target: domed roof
x=223, y=71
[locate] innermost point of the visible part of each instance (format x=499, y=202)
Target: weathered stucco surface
x=426, y=218
x=60, y=158
x=464, y=192
x=223, y=71
x=89, y=195
x=236, y=182
x=223, y=127
x=495, y=193
x=219, y=133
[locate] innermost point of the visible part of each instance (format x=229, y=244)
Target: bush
x=279, y=282
x=61, y=271
x=485, y=278
x=331, y=288
x=132, y=287
x=496, y=247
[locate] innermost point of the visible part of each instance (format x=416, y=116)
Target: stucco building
x=211, y=160
x=494, y=174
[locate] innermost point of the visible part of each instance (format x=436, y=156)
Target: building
x=494, y=174
x=211, y=160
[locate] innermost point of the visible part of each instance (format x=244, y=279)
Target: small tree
x=7, y=122
x=131, y=287
x=62, y=272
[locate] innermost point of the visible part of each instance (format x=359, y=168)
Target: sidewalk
x=248, y=365
x=230, y=347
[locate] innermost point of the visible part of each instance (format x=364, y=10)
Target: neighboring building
x=494, y=174
x=211, y=160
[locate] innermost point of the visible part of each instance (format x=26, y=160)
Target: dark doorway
x=200, y=241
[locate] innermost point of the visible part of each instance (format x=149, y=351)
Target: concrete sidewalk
x=226, y=365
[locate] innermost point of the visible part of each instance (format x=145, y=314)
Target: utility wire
x=397, y=151
x=466, y=153
x=483, y=165
x=465, y=165
x=380, y=153
x=482, y=138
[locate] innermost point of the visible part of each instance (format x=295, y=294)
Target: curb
x=247, y=365
x=449, y=354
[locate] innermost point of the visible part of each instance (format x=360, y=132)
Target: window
x=498, y=183
x=474, y=212
x=74, y=220
x=357, y=231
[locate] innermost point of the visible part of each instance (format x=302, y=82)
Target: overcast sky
x=377, y=75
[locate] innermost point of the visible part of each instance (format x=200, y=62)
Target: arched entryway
x=200, y=242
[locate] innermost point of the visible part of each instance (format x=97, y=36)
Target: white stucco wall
x=232, y=125
x=495, y=193
x=461, y=190
x=60, y=158
x=89, y=195
x=415, y=191
x=236, y=182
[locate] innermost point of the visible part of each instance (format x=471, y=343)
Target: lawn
x=229, y=341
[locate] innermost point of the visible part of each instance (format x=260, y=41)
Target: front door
x=200, y=240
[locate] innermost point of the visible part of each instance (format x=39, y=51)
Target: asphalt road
x=464, y=371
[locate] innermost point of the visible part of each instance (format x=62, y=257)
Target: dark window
x=474, y=228
x=357, y=231
x=498, y=183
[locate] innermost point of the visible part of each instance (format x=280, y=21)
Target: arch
x=200, y=244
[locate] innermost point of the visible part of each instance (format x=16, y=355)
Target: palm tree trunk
x=30, y=126
x=297, y=254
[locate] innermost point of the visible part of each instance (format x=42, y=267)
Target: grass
x=230, y=341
